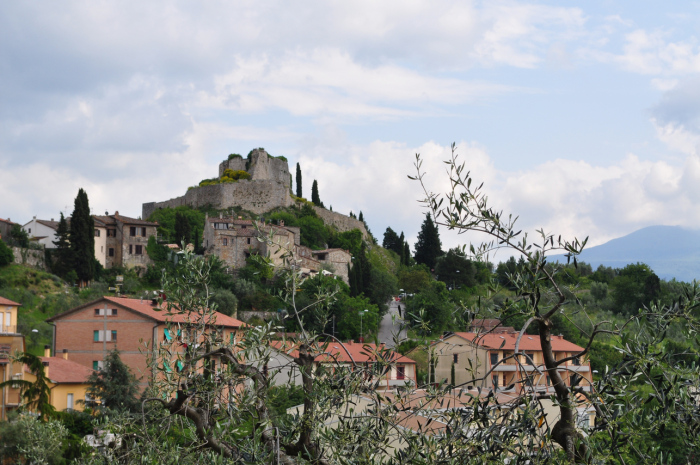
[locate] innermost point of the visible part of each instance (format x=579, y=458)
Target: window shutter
x=96, y=336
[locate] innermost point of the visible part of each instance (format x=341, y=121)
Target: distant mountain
x=671, y=251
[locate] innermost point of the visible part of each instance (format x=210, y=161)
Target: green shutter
x=180, y=366
x=95, y=365
x=167, y=334
x=96, y=336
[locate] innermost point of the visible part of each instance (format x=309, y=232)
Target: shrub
x=234, y=155
x=6, y=255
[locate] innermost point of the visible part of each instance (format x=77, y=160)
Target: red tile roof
x=342, y=353
x=145, y=307
x=506, y=341
x=7, y=221
x=66, y=371
x=4, y=301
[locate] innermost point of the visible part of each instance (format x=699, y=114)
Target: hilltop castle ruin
x=268, y=188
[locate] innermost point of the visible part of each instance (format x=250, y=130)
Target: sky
x=581, y=118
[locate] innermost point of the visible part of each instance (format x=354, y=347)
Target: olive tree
x=647, y=394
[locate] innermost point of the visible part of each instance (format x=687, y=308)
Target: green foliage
x=314, y=195
x=26, y=439
x=226, y=301
x=115, y=385
x=414, y=279
x=298, y=179
x=82, y=238
x=166, y=219
x=62, y=256
x=6, y=255
x=183, y=229
x=431, y=307
x=391, y=241
x=19, y=236
x=314, y=233
x=454, y=269
x=350, y=323
x=234, y=155
x=428, y=248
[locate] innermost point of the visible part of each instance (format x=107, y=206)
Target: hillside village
x=290, y=287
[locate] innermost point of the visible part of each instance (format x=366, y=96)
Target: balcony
x=8, y=329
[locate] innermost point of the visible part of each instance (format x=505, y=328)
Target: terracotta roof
x=329, y=250
x=146, y=308
x=360, y=353
x=128, y=220
x=65, y=371
x=50, y=224
x=506, y=341
x=216, y=219
x=7, y=221
x=4, y=301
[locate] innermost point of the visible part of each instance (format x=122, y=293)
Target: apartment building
x=11, y=342
x=485, y=358
x=86, y=334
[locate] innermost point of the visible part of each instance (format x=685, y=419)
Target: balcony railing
x=8, y=329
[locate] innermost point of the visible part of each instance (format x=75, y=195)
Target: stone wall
x=30, y=257
x=255, y=196
x=247, y=315
x=341, y=222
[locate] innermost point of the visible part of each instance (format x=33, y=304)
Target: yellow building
x=11, y=342
x=68, y=381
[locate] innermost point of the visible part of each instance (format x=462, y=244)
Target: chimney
x=240, y=217
x=65, y=354
x=351, y=341
x=281, y=222
x=46, y=369
x=47, y=350
x=51, y=219
x=116, y=213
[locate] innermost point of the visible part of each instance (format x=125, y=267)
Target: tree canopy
x=82, y=238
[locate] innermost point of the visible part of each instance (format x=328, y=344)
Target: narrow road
x=391, y=324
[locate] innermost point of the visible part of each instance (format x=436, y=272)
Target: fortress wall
x=341, y=222
x=262, y=167
x=255, y=196
x=235, y=164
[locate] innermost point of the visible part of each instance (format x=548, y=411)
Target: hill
x=671, y=251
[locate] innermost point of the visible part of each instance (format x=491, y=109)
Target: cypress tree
x=82, y=238
x=361, y=218
x=391, y=241
x=406, y=254
x=182, y=229
x=299, y=181
x=315, y=199
x=428, y=247
x=62, y=253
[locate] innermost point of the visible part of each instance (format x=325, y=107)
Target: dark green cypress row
x=82, y=238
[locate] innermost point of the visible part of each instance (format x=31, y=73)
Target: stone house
x=89, y=332
x=120, y=241
x=233, y=240
x=5, y=228
x=11, y=341
x=485, y=359
x=124, y=242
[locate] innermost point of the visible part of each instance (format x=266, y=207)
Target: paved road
x=389, y=326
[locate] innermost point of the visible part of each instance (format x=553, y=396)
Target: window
x=111, y=233
x=143, y=232
x=97, y=233
x=576, y=361
x=111, y=252
x=574, y=379
x=99, y=336
x=455, y=358
x=530, y=358
x=98, y=365
x=249, y=240
x=494, y=380
x=225, y=240
x=131, y=249
x=494, y=358
x=102, y=312
x=220, y=226
x=549, y=381
x=132, y=231
x=400, y=372
x=138, y=250
x=30, y=230
x=69, y=401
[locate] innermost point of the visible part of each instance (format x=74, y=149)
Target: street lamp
x=362, y=338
